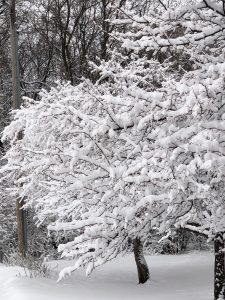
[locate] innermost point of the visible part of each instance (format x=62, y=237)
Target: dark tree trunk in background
x=16, y=99
x=1, y=146
x=219, y=267
x=142, y=267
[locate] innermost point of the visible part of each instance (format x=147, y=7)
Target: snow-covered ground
x=181, y=277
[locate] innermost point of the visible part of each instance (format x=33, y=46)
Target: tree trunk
x=16, y=99
x=21, y=227
x=219, y=292
x=142, y=267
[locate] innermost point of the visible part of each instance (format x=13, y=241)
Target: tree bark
x=21, y=227
x=219, y=276
x=142, y=267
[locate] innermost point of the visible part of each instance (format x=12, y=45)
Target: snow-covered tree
x=140, y=149
x=77, y=186
x=191, y=138
x=82, y=175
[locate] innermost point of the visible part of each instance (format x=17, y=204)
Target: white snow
x=177, y=277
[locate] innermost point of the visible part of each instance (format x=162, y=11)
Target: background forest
x=119, y=142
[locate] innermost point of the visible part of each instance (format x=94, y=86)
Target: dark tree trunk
x=219, y=267
x=142, y=267
x=1, y=146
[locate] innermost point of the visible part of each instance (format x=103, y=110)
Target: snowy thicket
x=38, y=241
x=142, y=148
x=7, y=217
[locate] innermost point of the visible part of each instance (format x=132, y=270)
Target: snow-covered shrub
x=32, y=266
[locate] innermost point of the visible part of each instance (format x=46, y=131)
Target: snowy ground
x=181, y=277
